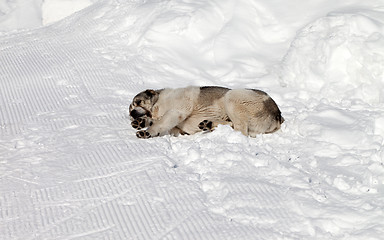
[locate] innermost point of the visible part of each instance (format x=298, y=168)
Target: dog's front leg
x=170, y=120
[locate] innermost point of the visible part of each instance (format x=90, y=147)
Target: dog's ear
x=153, y=95
x=150, y=92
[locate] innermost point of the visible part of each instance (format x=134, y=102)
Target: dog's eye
x=138, y=102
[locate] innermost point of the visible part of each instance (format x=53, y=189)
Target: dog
x=195, y=109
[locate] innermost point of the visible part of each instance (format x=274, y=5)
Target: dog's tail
x=274, y=110
x=279, y=118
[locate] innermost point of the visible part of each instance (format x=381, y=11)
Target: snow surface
x=71, y=166
x=21, y=14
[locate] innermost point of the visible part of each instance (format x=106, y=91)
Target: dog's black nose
x=136, y=114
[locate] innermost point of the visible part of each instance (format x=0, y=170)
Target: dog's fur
x=193, y=109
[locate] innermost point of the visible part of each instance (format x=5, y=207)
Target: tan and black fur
x=193, y=109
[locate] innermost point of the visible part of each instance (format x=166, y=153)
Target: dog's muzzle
x=138, y=112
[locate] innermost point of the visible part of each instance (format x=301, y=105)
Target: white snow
x=71, y=166
x=22, y=14
x=55, y=10
x=17, y=14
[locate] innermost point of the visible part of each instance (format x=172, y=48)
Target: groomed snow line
x=71, y=166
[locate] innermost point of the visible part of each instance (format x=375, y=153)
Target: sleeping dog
x=193, y=109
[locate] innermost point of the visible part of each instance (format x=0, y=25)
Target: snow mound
x=26, y=14
x=205, y=42
x=55, y=10
x=20, y=14
x=339, y=56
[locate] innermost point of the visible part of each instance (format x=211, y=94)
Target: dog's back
x=209, y=95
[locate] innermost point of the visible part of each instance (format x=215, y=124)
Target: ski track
x=72, y=168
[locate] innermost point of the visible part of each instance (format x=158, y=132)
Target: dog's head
x=142, y=104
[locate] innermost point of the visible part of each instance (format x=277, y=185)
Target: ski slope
x=71, y=166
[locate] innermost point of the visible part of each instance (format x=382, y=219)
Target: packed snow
x=71, y=166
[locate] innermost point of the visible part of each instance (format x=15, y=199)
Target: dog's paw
x=143, y=134
x=139, y=123
x=206, y=125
